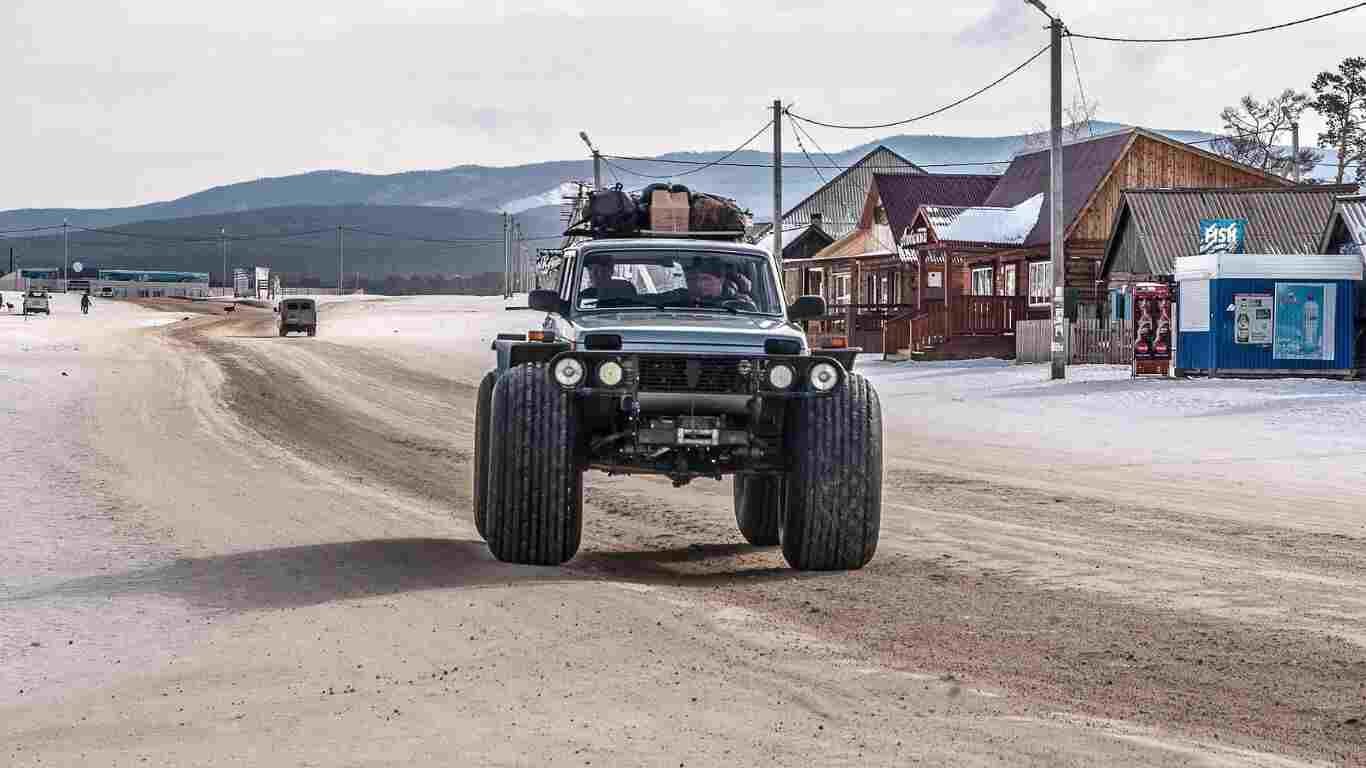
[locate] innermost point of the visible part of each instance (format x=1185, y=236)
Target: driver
x=606, y=285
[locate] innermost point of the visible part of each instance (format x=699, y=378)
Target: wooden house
x=862, y=275
x=995, y=259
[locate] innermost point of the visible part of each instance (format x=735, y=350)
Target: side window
x=563, y=276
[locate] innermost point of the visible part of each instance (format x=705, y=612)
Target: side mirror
x=544, y=301
x=806, y=308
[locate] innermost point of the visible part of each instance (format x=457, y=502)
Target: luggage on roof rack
x=613, y=213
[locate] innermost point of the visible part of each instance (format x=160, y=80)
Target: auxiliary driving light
x=780, y=376
x=609, y=373
x=824, y=377
x=568, y=372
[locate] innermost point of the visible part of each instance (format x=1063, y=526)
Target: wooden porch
x=935, y=328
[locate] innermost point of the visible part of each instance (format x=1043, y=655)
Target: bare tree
x=1340, y=97
x=1077, y=119
x=1253, y=128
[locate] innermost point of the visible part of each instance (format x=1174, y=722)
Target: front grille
x=715, y=375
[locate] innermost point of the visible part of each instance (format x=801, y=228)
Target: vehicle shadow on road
x=301, y=576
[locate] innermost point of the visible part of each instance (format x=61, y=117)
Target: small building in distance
x=149, y=283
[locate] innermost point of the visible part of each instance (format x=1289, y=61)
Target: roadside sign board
x=1223, y=236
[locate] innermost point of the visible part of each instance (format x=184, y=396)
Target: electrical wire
x=701, y=166
x=1081, y=89
x=28, y=229
x=932, y=113
x=813, y=141
x=802, y=146
x=1223, y=36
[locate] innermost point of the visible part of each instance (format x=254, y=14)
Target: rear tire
x=534, y=512
x=759, y=508
x=834, y=487
x=483, y=406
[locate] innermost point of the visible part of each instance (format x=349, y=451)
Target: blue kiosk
x=1247, y=314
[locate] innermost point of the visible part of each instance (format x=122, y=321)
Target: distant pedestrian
x=85, y=303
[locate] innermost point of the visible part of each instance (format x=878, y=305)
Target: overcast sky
x=120, y=102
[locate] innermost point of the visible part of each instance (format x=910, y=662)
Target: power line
x=1081, y=89
x=28, y=229
x=802, y=146
x=1223, y=36
x=813, y=141
x=801, y=166
x=938, y=111
x=701, y=166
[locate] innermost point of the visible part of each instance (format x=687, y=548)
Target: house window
x=1008, y=287
x=981, y=281
x=1040, y=283
x=842, y=289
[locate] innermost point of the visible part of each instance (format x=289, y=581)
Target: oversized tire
x=759, y=508
x=483, y=406
x=534, y=511
x=833, y=508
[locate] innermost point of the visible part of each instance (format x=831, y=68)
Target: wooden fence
x=1093, y=341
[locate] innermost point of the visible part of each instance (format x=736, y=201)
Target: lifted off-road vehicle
x=677, y=357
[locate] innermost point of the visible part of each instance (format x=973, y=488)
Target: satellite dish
x=77, y=267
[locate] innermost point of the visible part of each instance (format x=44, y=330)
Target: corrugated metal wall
x=1217, y=350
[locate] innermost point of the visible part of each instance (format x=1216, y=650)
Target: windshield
x=723, y=282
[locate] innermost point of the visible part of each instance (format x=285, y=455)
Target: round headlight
x=569, y=372
x=609, y=373
x=824, y=377
x=780, y=376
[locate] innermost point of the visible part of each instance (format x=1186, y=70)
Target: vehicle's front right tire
x=759, y=508
x=534, y=512
x=833, y=510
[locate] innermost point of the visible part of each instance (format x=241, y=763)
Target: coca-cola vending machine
x=1153, y=329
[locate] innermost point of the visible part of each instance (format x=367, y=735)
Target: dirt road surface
x=223, y=547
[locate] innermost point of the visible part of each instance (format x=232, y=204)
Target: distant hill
x=525, y=187
x=159, y=243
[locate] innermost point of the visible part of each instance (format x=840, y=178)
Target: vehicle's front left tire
x=483, y=407
x=833, y=510
x=534, y=512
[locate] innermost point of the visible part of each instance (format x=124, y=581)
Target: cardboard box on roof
x=669, y=211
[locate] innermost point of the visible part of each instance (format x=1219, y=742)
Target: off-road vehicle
x=677, y=357
x=298, y=315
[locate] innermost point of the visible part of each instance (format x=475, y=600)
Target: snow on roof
x=984, y=225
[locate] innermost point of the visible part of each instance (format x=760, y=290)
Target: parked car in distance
x=36, y=301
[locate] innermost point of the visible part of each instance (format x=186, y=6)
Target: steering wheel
x=742, y=303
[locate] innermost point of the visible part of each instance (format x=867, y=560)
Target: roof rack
x=639, y=233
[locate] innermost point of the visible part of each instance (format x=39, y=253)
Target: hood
x=661, y=331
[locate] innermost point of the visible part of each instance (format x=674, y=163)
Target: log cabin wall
x=1150, y=164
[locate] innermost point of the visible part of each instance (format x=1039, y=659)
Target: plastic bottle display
x=1311, y=324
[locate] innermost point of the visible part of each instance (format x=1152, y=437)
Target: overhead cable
x=932, y=113
x=702, y=166
x=1221, y=36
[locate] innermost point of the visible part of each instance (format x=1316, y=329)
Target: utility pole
x=66, y=252
x=1057, y=259
x=341, y=260
x=223, y=252
x=507, y=226
x=597, y=160
x=1295, y=145
x=778, y=184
